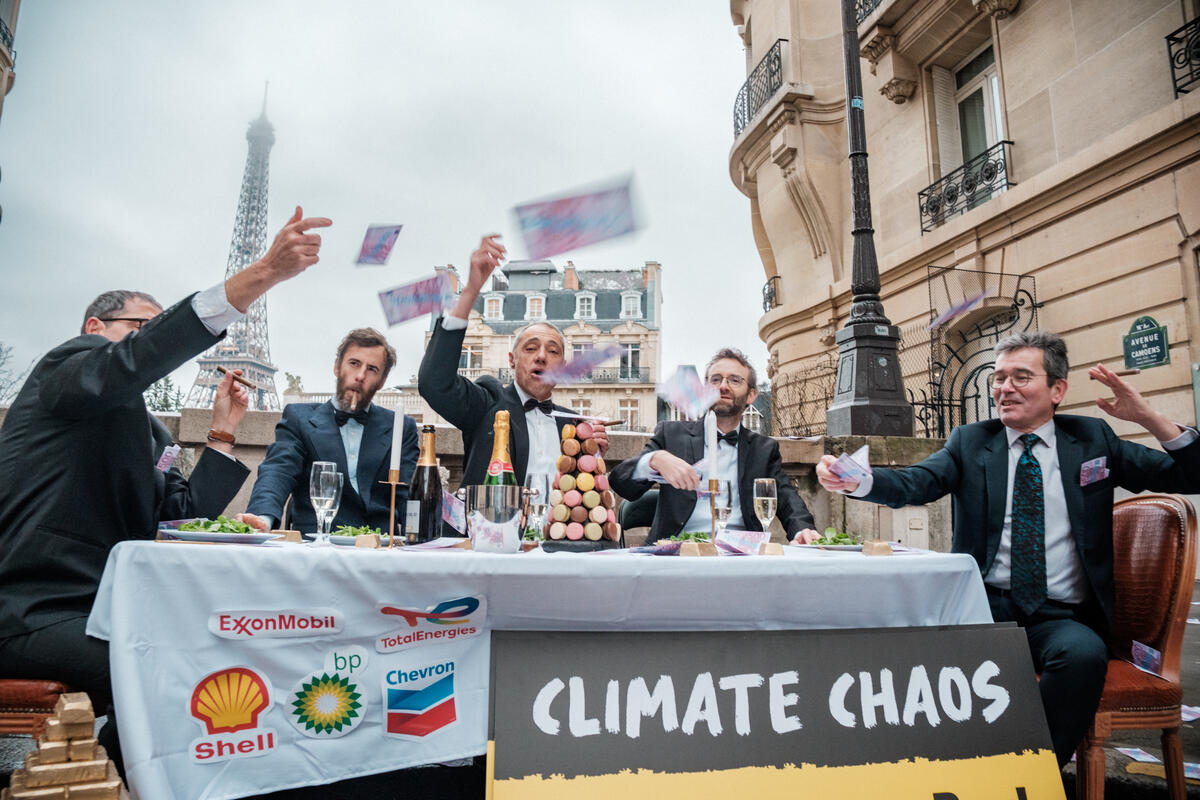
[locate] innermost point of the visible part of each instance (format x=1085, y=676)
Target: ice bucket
x=494, y=517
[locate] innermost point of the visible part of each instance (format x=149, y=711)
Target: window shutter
x=946, y=113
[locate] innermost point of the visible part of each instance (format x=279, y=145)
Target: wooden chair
x=1154, y=555
x=25, y=705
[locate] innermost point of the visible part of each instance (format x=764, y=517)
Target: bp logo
x=329, y=704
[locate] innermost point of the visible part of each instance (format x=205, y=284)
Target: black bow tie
x=340, y=416
x=731, y=437
x=546, y=406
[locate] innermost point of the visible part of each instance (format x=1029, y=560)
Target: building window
x=631, y=305
x=535, y=307
x=968, y=109
x=583, y=406
x=631, y=361
x=585, y=305
x=752, y=419
x=471, y=357
x=628, y=409
x=582, y=349
x=493, y=307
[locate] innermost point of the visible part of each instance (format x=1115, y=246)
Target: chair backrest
x=1154, y=566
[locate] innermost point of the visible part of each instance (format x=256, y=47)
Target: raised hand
x=485, y=259
x=831, y=482
x=600, y=434
x=293, y=251
x=229, y=405
x=1128, y=404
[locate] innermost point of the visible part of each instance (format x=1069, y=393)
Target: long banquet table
x=180, y=615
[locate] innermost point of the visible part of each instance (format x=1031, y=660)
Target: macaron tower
x=581, y=504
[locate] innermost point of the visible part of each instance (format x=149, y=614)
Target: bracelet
x=220, y=436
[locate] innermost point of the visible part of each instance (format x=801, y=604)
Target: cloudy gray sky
x=122, y=146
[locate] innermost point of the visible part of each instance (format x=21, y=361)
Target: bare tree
x=10, y=381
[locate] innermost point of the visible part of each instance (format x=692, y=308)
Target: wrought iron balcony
x=1183, y=49
x=6, y=39
x=863, y=9
x=771, y=293
x=976, y=181
x=766, y=78
x=598, y=375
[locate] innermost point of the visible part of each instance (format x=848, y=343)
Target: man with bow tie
x=471, y=406
x=349, y=430
x=742, y=456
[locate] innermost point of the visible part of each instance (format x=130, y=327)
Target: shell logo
x=230, y=700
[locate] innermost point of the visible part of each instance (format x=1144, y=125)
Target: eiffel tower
x=245, y=345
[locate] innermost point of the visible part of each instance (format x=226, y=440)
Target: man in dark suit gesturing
x=349, y=430
x=471, y=406
x=742, y=456
x=1033, y=495
x=78, y=455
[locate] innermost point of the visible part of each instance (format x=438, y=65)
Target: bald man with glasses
x=742, y=456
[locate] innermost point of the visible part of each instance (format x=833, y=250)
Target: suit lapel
x=1070, y=460
x=995, y=465
x=327, y=438
x=375, y=445
x=745, y=482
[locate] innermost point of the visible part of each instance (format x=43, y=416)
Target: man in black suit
x=1033, y=496
x=349, y=430
x=472, y=406
x=742, y=456
x=78, y=453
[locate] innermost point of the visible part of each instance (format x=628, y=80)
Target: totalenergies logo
x=445, y=621
x=228, y=704
x=230, y=700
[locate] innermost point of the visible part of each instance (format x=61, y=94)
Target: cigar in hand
x=237, y=378
x=1121, y=373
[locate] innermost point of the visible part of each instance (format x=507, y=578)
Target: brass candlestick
x=393, y=481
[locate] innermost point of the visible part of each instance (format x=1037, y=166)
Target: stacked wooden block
x=68, y=764
x=581, y=504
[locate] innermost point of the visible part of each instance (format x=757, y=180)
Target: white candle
x=710, y=444
x=397, y=440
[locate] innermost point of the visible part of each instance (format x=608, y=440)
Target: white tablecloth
x=161, y=607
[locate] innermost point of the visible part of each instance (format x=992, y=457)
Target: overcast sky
x=122, y=146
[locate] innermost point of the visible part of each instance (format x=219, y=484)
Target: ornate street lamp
x=869, y=396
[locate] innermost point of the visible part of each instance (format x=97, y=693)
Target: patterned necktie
x=1028, y=531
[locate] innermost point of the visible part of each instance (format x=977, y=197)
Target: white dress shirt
x=544, y=447
x=727, y=470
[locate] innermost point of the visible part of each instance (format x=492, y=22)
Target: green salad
x=689, y=536
x=359, y=530
x=221, y=524
x=832, y=536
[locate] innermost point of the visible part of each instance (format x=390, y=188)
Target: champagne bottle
x=500, y=469
x=423, y=517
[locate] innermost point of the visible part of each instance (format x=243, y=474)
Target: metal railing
x=863, y=9
x=1183, y=50
x=771, y=293
x=6, y=39
x=597, y=375
x=766, y=78
x=978, y=180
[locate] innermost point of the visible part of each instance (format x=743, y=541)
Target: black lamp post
x=869, y=396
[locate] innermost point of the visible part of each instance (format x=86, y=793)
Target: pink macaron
x=583, y=431
x=586, y=463
x=572, y=498
x=601, y=483
x=574, y=531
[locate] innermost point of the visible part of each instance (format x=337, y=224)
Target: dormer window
x=535, y=307
x=631, y=305
x=585, y=305
x=493, y=306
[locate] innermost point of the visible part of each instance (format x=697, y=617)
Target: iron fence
x=863, y=9
x=770, y=292
x=978, y=180
x=6, y=39
x=766, y=78
x=1183, y=50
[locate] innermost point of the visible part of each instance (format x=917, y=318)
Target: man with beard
x=742, y=456
x=471, y=406
x=349, y=430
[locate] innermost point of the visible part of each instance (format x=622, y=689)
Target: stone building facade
x=1046, y=152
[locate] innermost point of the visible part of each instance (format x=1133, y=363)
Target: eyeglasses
x=136, y=322
x=1019, y=379
x=734, y=381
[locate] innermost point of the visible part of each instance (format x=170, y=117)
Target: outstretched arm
x=1128, y=404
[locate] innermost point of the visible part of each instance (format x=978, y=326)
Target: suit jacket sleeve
x=1140, y=468
x=923, y=482
x=621, y=479
x=281, y=470
x=794, y=515
x=461, y=402
x=213, y=484
x=412, y=447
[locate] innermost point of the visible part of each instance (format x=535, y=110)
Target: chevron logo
x=423, y=704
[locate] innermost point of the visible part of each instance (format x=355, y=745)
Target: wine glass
x=765, y=501
x=537, y=499
x=722, y=505
x=331, y=486
x=317, y=492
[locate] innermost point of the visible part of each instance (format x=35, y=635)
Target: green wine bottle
x=500, y=468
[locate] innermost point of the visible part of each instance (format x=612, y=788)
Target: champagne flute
x=722, y=505
x=537, y=499
x=331, y=487
x=765, y=501
x=320, y=500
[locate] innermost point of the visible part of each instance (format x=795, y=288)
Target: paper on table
x=454, y=512
x=852, y=467
x=377, y=244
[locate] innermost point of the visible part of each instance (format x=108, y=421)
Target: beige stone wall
x=1105, y=213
